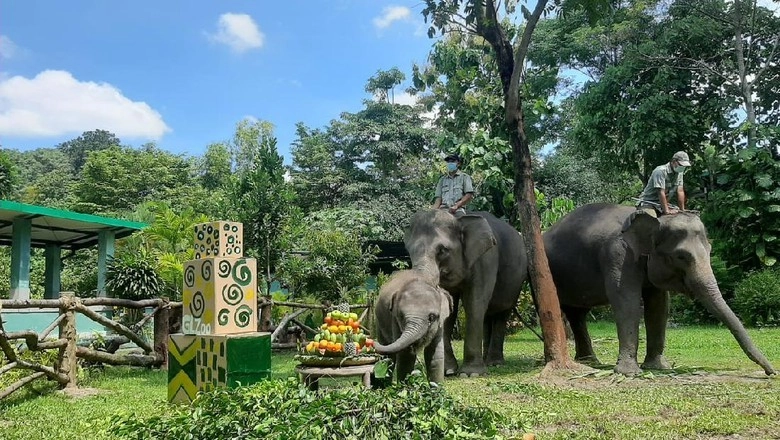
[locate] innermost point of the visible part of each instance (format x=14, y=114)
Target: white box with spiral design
x=219, y=296
x=219, y=239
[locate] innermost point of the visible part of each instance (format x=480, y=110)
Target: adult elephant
x=603, y=254
x=481, y=261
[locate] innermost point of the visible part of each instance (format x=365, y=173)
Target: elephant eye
x=433, y=317
x=683, y=256
x=442, y=251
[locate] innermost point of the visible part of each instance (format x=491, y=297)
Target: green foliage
x=743, y=210
x=78, y=150
x=261, y=199
x=757, y=298
x=323, y=263
x=285, y=410
x=133, y=276
x=553, y=210
x=8, y=175
x=117, y=179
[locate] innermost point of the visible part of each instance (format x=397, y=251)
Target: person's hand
x=672, y=211
x=453, y=209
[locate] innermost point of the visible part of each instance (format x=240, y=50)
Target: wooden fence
x=167, y=319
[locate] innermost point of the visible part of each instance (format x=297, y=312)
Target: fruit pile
x=340, y=335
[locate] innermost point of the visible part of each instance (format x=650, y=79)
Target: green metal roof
x=70, y=230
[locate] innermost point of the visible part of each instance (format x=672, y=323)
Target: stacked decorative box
x=219, y=345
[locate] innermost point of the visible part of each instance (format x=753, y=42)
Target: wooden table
x=311, y=375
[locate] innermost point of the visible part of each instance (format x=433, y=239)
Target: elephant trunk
x=708, y=293
x=414, y=331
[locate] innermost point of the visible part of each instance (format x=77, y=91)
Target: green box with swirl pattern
x=219, y=296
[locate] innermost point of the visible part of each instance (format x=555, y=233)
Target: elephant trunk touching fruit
x=410, y=312
x=603, y=254
x=479, y=260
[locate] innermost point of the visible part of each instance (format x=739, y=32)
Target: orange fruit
x=328, y=320
x=333, y=329
x=324, y=343
x=337, y=346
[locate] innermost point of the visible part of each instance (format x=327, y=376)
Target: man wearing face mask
x=666, y=180
x=454, y=189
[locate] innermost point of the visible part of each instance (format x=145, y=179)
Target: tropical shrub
x=757, y=298
x=283, y=409
x=325, y=264
x=133, y=276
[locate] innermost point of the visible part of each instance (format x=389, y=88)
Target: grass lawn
x=715, y=392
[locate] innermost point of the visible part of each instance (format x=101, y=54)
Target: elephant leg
x=450, y=362
x=404, y=365
x=487, y=328
x=624, y=295
x=656, y=316
x=434, y=360
x=494, y=346
x=475, y=303
x=583, y=347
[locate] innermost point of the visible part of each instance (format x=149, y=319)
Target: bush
x=282, y=409
x=757, y=298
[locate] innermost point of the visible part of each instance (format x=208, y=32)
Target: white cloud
x=239, y=32
x=54, y=103
x=391, y=14
x=7, y=47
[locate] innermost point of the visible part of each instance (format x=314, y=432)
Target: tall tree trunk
x=510, y=65
x=745, y=84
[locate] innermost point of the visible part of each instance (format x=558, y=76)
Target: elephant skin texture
x=602, y=254
x=481, y=261
x=410, y=313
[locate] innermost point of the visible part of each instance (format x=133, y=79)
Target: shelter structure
x=24, y=227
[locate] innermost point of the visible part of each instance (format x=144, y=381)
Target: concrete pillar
x=52, y=272
x=105, y=252
x=20, y=259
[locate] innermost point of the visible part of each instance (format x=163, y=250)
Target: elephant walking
x=410, y=313
x=603, y=254
x=481, y=261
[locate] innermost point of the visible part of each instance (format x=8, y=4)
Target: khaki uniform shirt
x=663, y=176
x=453, y=188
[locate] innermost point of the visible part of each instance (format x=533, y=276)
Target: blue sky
x=183, y=73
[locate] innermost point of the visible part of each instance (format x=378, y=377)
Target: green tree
x=261, y=197
x=77, y=150
x=216, y=167
x=118, y=179
x=383, y=84
x=7, y=175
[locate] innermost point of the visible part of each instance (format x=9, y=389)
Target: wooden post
x=264, y=323
x=69, y=361
x=161, y=332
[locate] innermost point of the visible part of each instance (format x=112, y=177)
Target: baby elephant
x=410, y=313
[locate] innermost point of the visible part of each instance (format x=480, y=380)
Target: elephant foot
x=657, y=363
x=450, y=367
x=628, y=367
x=588, y=360
x=472, y=370
x=494, y=362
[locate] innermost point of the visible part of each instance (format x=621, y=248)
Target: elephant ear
x=477, y=237
x=639, y=232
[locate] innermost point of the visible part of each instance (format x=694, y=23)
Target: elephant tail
x=413, y=332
